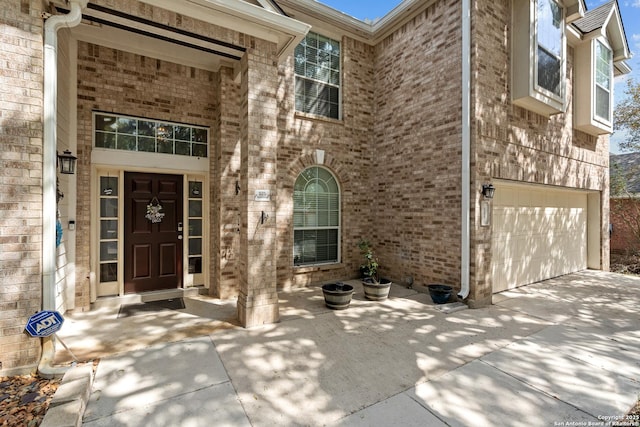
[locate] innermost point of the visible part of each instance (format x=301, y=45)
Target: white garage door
x=538, y=233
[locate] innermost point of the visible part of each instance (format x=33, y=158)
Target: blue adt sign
x=44, y=323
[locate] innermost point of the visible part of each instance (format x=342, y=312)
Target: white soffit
x=243, y=17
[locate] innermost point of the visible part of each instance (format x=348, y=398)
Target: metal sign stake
x=73, y=356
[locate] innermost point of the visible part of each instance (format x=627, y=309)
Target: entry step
x=115, y=301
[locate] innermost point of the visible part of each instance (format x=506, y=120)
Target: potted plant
x=375, y=288
x=440, y=294
x=337, y=296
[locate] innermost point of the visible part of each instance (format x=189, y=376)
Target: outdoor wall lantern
x=488, y=190
x=67, y=162
x=196, y=191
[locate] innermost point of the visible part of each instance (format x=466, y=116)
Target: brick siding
x=625, y=217
x=21, y=133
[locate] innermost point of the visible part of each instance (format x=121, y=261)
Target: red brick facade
x=625, y=225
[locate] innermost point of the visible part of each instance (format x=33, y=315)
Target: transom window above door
x=118, y=132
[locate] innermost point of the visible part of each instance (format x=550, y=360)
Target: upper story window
x=603, y=70
x=316, y=217
x=119, y=132
x=550, y=46
x=539, y=56
x=317, y=69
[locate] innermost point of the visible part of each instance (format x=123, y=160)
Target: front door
x=153, y=232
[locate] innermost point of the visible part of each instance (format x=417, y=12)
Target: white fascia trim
x=243, y=17
x=396, y=13
x=268, y=6
x=621, y=68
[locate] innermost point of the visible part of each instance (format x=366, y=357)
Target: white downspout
x=49, y=209
x=466, y=150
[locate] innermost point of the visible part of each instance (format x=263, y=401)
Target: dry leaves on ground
x=25, y=399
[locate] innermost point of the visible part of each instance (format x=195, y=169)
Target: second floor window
x=603, y=71
x=317, y=69
x=550, y=46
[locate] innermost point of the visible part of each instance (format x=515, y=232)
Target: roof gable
x=606, y=21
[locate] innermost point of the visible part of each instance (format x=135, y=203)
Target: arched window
x=316, y=218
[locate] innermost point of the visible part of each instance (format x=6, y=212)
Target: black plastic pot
x=440, y=294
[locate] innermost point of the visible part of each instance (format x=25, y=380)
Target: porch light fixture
x=488, y=190
x=67, y=162
x=196, y=189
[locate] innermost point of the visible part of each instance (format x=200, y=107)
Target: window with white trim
x=120, y=132
x=593, y=87
x=550, y=47
x=604, y=71
x=109, y=220
x=317, y=70
x=316, y=218
x=538, y=57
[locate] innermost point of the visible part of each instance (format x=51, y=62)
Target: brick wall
x=347, y=150
x=416, y=156
x=625, y=221
x=21, y=92
x=225, y=202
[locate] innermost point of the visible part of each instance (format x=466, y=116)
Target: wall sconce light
x=196, y=188
x=67, y=162
x=488, y=190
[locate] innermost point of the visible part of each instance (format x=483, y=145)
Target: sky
x=629, y=9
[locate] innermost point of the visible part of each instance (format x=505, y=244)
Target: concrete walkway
x=560, y=351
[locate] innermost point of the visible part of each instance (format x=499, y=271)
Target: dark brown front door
x=153, y=250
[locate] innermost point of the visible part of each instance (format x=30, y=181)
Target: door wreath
x=153, y=211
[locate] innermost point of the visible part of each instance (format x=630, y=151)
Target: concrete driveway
x=560, y=351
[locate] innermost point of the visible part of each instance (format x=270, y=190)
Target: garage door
x=538, y=233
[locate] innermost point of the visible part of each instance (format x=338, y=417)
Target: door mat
x=150, y=307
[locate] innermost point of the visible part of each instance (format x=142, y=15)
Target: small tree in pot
x=375, y=288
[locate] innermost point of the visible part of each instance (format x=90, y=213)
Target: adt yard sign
x=44, y=323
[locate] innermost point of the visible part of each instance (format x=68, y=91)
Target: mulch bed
x=25, y=399
x=627, y=263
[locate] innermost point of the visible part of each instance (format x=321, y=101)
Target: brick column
x=225, y=166
x=21, y=139
x=258, y=298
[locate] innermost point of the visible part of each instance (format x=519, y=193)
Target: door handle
x=180, y=230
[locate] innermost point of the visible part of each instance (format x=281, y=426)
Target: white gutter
x=49, y=154
x=466, y=150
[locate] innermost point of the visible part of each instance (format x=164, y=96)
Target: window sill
x=314, y=268
x=540, y=104
x=595, y=127
x=314, y=117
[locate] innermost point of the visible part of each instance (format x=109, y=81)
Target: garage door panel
x=537, y=234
